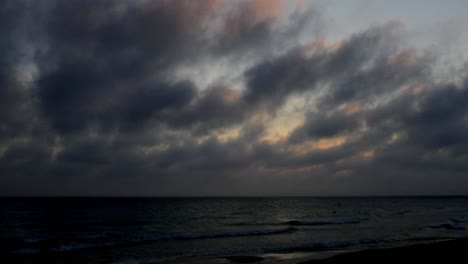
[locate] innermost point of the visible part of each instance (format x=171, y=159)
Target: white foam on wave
x=77, y=246
x=448, y=226
x=230, y=234
x=324, y=222
x=341, y=244
x=326, y=245
x=74, y=246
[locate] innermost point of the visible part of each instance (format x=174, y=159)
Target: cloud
x=120, y=53
x=253, y=28
x=366, y=60
x=94, y=101
x=319, y=126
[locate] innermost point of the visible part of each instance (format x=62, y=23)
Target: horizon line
x=235, y=196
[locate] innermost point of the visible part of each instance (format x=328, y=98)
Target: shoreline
x=443, y=251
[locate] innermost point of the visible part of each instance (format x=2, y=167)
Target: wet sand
x=439, y=252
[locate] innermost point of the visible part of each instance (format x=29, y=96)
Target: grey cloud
x=362, y=58
x=275, y=80
x=124, y=51
x=323, y=125
x=104, y=111
x=441, y=118
x=251, y=30
x=96, y=52
x=217, y=106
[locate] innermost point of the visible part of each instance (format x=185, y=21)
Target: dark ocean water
x=155, y=230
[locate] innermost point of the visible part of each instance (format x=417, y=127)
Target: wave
x=322, y=246
x=306, y=222
x=448, y=226
x=74, y=246
x=220, y=235
x=148, y=239
x=429, y=238
x=348, y=243
x=323, y=222
x=460, y=219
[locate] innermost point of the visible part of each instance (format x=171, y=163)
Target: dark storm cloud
x=93, y=100
x=322, y=125
x=432, y=119
x=96, y=51
x=215, y=107
x=255, y=27
x=441, y=118
x=364, y=65
x=414, y=138
x=21, y=155
x=10, y=95
x=275, y=80
x=17, y=117
x=73, y=100
x=10, y=101
x=123, y=51
x=245, y=27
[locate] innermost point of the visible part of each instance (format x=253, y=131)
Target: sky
x=233, y=98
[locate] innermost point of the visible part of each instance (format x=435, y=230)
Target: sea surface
x=165, y=230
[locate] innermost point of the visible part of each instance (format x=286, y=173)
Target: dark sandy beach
x=439, y=252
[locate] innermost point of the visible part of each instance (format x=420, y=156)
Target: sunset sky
x=213, y=97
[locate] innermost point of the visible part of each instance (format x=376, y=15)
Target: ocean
x=168, y=230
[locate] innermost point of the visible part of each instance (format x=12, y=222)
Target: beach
x=443, y=252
